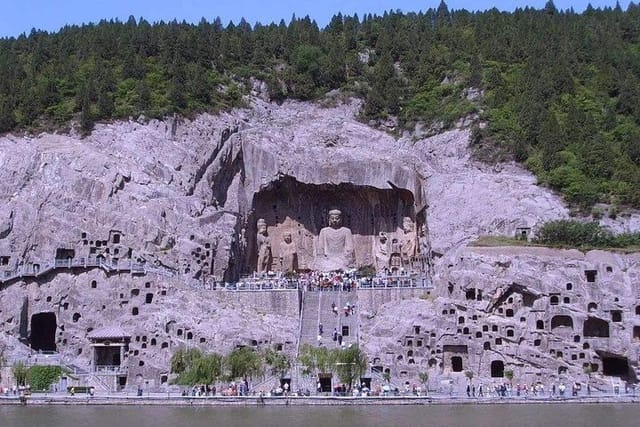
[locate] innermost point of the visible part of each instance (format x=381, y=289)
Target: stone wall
x=160, y=314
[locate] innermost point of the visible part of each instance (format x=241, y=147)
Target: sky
x=20, y=16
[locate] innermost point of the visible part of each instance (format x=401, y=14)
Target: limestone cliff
x=132, y=225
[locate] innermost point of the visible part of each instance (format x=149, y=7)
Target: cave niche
x=288, y=205
x=43, y=332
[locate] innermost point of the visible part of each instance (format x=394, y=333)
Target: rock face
x=133, y=225
x=546, y=315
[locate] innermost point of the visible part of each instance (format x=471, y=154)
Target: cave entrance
x=594, y=327
x=561, y=320
x=497, y=369
x=64, y=253
x=615, y=366
x=325, y=383
x=301, y=211
x=456, y=364
x=43, y=332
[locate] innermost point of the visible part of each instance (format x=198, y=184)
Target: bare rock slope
x=150, y=214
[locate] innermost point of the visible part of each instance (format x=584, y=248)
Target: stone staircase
x=309, y=319
x=339, y=321
x=99, y=383
x=317, y=309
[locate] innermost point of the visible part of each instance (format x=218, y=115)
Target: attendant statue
x=335, y=249
x=381, y=251
x=409, y=240
x=263, y=242
x=288, y=253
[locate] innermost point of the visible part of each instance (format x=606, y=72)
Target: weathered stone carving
x=288, y=253
x=6, y=225
x=408, y=239
x=381, y=251
x=335, y=250
x=395, y=263
x=263, y=242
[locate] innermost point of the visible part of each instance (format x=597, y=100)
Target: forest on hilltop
x=560, y=91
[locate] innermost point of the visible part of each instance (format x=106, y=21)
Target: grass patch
x=500, y=241
x=497, y=241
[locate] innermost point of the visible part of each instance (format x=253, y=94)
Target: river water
x=561, y=415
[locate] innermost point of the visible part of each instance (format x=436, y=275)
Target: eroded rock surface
x=147, y=216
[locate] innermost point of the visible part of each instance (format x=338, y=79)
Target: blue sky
x=20, y=16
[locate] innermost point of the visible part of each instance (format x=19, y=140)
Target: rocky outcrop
x=133, y=224
x=548, y=315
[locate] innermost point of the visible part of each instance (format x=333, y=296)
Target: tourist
x=335, y=334
x=320, y=329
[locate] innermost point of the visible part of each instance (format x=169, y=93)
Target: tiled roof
x=108, y=332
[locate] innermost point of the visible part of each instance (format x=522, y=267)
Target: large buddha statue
x=334, y=250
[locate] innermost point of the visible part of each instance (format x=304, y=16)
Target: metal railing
x=379, y=282
x=289, y=285
x=110, y=369
x=37, y=269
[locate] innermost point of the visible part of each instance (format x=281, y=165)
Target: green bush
x=40, y=378
x=574, y=233
x=581, y=234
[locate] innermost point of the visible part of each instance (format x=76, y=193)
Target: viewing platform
x=39, y=269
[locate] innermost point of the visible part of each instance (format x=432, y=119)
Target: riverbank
x=172, y=400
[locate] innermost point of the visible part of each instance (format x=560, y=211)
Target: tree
x=574, y=233
x=424, y=379
x=351, y=363
x=19, y=371
x=243, y=362
x=469, y=375
x=7, y=121
x=144, y=95
x=316, y=359
x=183, y=358
x=588, y=370
x=195, y=367
x=550, y=142
x=475, y=80
x=508, y=374
x=279, y=362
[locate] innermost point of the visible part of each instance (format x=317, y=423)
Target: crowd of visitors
x=315, y=281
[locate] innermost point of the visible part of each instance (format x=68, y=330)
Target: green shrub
x=40, y=378
x=574, y=233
